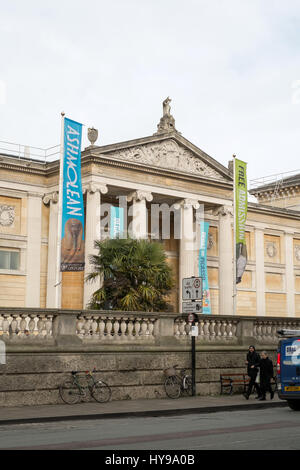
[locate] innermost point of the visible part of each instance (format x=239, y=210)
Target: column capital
x=187, y=204
x=224, y=211
x=51, y=197
x=95, y=187
x=140, y=195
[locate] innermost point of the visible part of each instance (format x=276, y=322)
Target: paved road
x=268, y=429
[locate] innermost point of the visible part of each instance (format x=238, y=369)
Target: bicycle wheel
x=101, y=392
x=173, y=386
x=69, y=392
x=188, y=385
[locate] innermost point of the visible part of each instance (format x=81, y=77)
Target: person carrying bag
x=252, y=362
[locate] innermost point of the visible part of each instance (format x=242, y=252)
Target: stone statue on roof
x=167, y=122
x=166, y=107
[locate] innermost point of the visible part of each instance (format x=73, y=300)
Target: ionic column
x=289, y=274
x=187, y=243
x=260, y=272
x=92, y=233
x=225, y=261
x=33, y=264
x=53, y=291
x=139, y=225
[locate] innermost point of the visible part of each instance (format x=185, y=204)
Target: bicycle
x=72, y=391
x=176, y=385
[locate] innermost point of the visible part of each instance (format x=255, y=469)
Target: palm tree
x=136, y=275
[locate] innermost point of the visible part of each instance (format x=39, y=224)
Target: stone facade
x=164, y=168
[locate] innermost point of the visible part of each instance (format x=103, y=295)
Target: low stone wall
x=129, y=351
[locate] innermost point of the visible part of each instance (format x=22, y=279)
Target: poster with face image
x=72, y=235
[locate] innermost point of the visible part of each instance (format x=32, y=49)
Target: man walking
x=266, y=374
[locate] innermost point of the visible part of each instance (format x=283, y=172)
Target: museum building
x=162, y=169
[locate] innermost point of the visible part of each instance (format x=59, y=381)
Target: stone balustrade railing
x=109, y=327
x=103, y=327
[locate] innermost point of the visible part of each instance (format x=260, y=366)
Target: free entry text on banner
x=72, y=230
x=241, y=206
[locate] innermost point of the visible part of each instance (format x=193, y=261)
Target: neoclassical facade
x=162, y=169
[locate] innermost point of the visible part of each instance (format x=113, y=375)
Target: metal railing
x=27, y=152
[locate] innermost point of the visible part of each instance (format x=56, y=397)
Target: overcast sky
x=231, y=68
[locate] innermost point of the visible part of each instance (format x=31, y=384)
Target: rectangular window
x=9, y=259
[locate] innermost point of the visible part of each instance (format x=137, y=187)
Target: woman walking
x=253, y=360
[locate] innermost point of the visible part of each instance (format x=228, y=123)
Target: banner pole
x=59, y=217
x=234, y=289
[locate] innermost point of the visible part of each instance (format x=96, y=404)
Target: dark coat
x=266, y=370
x=253, y=360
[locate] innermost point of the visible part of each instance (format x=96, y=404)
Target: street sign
x=192, y=307
x=191, y=317
x=192, y=288
x=194, y=330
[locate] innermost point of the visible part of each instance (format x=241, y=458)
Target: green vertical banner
x=241, y=206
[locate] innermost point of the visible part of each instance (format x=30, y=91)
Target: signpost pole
x=193, y=363
x=192, y=291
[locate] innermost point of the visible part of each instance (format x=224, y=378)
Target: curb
x=139, y=414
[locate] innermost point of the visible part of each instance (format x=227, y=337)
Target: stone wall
x=129, y=350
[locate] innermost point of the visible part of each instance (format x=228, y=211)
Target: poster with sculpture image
x=241, y=206
x=206, y=306
x=72, y=235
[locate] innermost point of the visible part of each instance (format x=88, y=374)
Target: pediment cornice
x=170, y=152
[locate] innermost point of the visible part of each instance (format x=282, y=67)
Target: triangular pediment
x=172, y=153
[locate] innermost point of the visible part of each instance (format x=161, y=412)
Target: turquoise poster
x=72, y=234
x=116, y=222
x=206, y=306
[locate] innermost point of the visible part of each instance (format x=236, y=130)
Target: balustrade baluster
x=130, y=329
x=116, y=329
x=229, y=329
x=5, y=324
x=94, y=327
x=49, y=326
x=151, y=327
x=206, y=330
x=137, y=327
x=41, y=326
x=109, y=327
x=102, y=328
x=212, y=332
x=123, y=328
x=31, y=325
x=144, y=328
x=14, y=325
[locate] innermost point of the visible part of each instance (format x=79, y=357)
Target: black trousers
x=252, y=384
x=265, y=386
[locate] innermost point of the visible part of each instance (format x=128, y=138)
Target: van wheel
x=294, y=404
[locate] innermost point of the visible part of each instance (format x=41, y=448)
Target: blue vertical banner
x=72, y=234
x=206, y=306
x=116, y=222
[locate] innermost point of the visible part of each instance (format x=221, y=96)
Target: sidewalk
x=132, y=408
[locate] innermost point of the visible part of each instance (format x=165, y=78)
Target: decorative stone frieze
x=167, y=154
